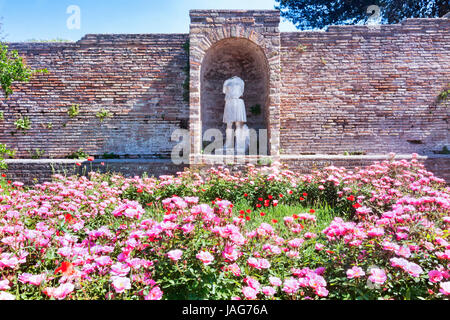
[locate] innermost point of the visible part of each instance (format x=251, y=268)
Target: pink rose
x=377, y=276
x=175, y=255
x=268, y=291
x=445, y=288
x=155, y=294
x=355, y=272
x=435, y=276
x=249, y=293
x=206, y=257
x=291, y=286
x=61, y=292
x=274, y=281
x=121, y=284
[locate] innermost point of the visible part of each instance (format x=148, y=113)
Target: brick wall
x=373, y=90
x=349, y=89
x=138, y=78
x=41, y=170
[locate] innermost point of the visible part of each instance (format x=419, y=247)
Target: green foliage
x=443, y=96
x=80, y=154
x=444, y=150
x=110, y=155
x=354, y=153
x=13, y=68
x=74, y=110
x=5, y=152
x=103, y=114
x=301, y=48
x=256, y=109
x=36, y=153
x=2, y=116
x=23, y=124
x=318, y=14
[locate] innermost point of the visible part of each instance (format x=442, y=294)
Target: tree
x=12, y=68
x=318, y=14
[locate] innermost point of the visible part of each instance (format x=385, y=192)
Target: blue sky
x=47, y=19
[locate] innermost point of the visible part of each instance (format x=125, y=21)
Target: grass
x=324, y=215
x=4, y=186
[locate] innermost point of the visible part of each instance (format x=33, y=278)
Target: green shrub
x=80, y=154
x=4, y=151
x=23, y=124
x=74, y=110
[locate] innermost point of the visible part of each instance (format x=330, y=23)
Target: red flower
x=68, y=217
x=149, y=204
x=260, y=199
x=290, y=191
x=305, y=194
x=295, y=216
x=102, y=163
x=90, y=159
x=262, y=214
x=231, y=205
x=247, y=218
x=203, y=190
x=351, y=198
x=245, y=195
x=140, y=190
x=241, y=216
x=66, y=268
x=258, y=205
x=78, y=164
x=270, y=197
x=248, y=211
x=9, y=182
x=274, y=221
x=301, y=199
x=357, y=205
x=312, y=211
x=3, y=175
x=280, y=195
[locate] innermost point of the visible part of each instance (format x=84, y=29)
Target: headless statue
x=234, y=112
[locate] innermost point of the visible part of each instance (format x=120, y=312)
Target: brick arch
x=204, y=35
x=234, y=31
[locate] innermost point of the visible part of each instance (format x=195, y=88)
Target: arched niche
x=225, y=59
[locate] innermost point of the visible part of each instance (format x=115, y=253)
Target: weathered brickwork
x=366, y=89
x=138, y=78
x=38, y=171
x=356, y=89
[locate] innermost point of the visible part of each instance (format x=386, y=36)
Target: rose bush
x=379, y=232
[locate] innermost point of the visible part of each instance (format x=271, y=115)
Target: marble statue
x=235, y=113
